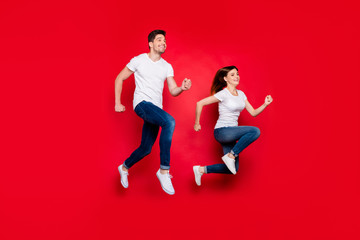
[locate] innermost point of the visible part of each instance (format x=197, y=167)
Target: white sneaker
x=230, y=163
x=124, y=175
x=165, y=182
x=197, y=174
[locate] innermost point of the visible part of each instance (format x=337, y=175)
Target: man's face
x=159, y=44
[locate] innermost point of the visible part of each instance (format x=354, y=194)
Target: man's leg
x=149, y=134
x=167, y=130
x=155, y=115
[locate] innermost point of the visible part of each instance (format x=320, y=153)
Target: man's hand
x=186, y=84
x=119, y=108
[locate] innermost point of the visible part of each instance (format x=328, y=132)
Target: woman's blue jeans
x=154, y=117
x=234, y=140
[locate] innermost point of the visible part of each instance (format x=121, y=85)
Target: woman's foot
x=230, y=163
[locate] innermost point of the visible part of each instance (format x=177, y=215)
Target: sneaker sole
x=170, y=193
x=122, y=183
x=194, y=169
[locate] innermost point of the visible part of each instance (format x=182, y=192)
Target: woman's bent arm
x=254, y=112
x=199, y=106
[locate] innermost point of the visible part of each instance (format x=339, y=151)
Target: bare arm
x=254, y=112
x=199, y=106
x=174, y=89
x=124, y=74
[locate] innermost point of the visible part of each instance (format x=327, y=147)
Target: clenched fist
x=186, y=84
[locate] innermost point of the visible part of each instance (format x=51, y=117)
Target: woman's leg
x=244, y=135
x=222, y=168
x=227, y=136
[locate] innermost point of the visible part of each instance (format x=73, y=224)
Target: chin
x=161, y=52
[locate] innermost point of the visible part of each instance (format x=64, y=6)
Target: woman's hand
x=268, y=100
x=197, y=127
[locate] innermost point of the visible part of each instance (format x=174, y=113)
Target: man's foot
x=124, y=177
x=165, y=181
x=230, y=163
x=197, y=174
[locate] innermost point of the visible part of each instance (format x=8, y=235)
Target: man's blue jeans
x=154, y=117
x=234, y=140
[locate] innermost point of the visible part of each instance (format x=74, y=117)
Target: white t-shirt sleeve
x=244, y=96
x=170, y=71
x=220, y=95
x=134, y=63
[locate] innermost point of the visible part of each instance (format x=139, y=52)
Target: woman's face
x=232, y=78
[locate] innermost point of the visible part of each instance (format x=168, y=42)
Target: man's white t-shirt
x=230, y=107
x=149, y=78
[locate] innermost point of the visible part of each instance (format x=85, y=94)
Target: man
x=151, y=70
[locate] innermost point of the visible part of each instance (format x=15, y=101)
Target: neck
x=231, y=88
x=154, y=56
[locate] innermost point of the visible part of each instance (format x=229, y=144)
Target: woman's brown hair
x=219, y=82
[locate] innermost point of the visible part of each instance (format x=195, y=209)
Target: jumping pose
x=233, y=138
x=151, y=70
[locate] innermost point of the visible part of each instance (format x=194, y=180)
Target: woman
x=232, y=137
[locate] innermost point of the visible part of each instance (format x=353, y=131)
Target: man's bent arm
x=174, y=89
x=124, y=74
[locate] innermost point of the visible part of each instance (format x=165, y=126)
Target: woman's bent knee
x=256, y=132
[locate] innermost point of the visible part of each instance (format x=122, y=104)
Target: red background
x=62, y=140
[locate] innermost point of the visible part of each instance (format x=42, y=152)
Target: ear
x=225, y=79
x=151, y=44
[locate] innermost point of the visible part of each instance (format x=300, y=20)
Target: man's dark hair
x=153, y=34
